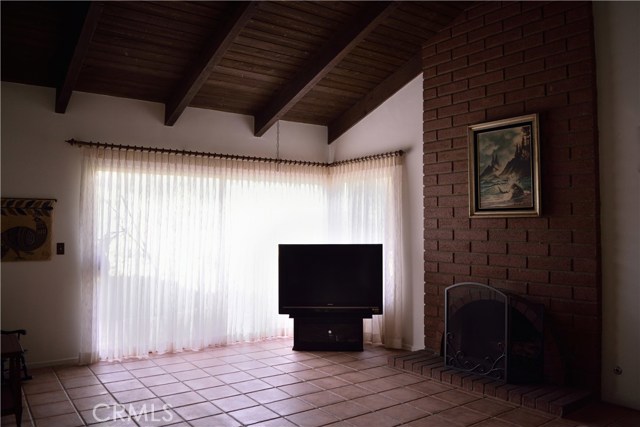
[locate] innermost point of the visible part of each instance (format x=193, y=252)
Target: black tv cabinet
x=328, y=333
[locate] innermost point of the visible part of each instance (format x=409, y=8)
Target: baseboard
x=59, y=362
x=412, y=347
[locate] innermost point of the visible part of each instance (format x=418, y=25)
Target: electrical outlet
x=60, y=248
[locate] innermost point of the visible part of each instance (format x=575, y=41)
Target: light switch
x=60, y=248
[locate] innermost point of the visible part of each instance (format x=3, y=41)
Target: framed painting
x=26, y=229
x=504, y=168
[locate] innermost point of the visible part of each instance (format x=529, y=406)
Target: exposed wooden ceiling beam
x=376, y=97
x=240, y=13
x=321, y=64
x=73, y=65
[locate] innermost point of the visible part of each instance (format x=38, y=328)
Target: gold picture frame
x=504, y=168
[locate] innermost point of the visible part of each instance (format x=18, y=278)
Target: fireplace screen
x=492, y=333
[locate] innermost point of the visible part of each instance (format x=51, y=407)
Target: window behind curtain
x=181, y=252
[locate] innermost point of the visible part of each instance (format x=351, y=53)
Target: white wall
x=43, y=297
x=618, y=69
x=397, y=125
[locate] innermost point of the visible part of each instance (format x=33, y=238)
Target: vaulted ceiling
x=328, y=63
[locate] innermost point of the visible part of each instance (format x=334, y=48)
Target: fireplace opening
x=493, y=333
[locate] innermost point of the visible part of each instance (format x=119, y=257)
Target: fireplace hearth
x=493, y=333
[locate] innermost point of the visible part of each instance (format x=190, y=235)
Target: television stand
x=328, y=333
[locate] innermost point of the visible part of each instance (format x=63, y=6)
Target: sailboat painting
x=504, y=178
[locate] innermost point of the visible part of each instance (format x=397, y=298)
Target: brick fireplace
x=501, y=60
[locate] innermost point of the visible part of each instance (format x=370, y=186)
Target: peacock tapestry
x=26, y=229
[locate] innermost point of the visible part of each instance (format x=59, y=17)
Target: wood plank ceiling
x=320, y=62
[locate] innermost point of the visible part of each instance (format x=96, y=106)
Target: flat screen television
x=330, y=278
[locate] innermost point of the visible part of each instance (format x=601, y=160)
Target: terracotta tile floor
x=268, y=384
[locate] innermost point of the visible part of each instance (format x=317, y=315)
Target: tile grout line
x=335, y=363
x=64, y=389
x=146, y=387
x=27, y=406
x=315, y=406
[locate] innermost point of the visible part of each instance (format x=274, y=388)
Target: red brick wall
x=500, y=60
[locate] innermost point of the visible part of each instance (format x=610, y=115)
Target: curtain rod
x=79, y=143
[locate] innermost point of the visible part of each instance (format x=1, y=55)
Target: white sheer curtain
x=180, y=252
x=366, y=207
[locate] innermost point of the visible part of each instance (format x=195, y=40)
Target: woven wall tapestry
x=26, y=229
